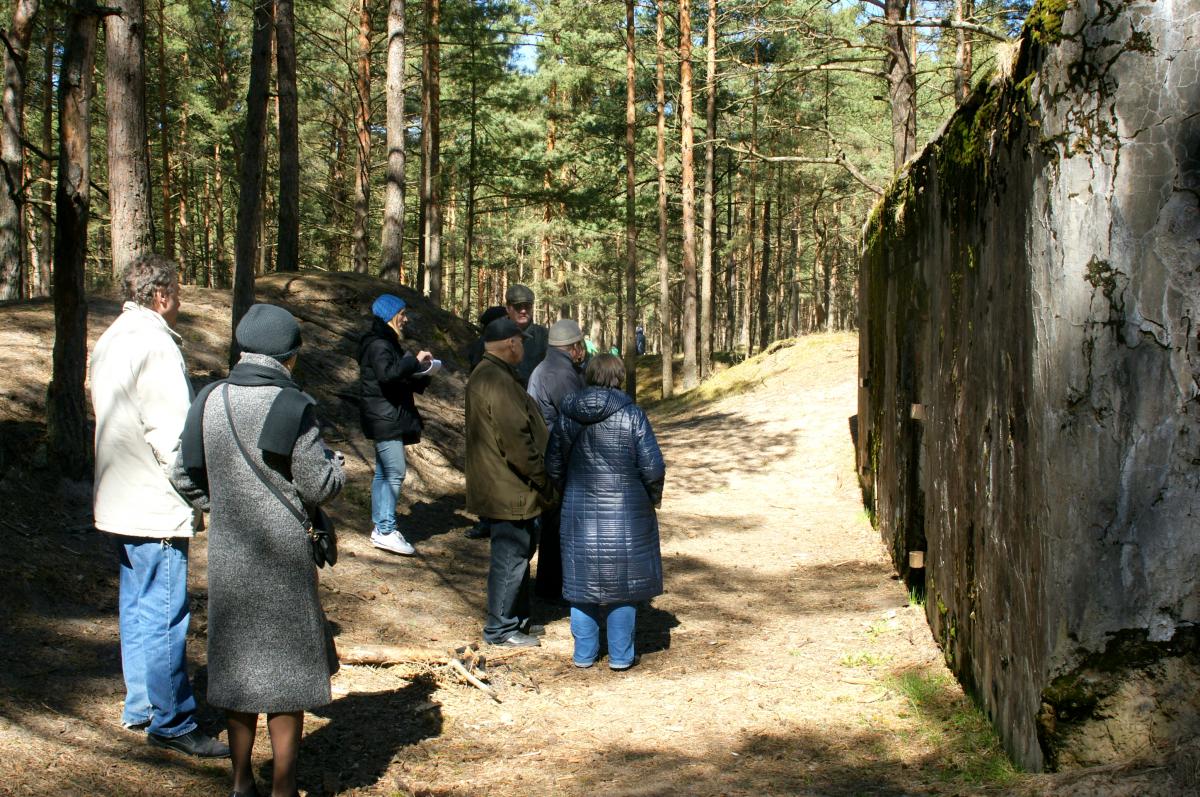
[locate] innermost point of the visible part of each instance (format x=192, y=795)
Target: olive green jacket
x=506, y=444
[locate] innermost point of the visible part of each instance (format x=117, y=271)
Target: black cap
x=502, y=329
x=518, y=294
x=491, y=314
x=270, y=330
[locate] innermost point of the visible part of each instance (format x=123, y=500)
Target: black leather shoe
x=535, y=629
x=518, y=640
x=195, y=742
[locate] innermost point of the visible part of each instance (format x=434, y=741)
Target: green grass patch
x=865, y=658
x=969, y=751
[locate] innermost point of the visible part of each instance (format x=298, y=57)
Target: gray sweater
x=268, y=646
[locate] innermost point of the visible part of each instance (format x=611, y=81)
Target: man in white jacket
x=141, y=395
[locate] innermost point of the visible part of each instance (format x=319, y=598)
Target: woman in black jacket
x=388, y=378
x=606, y=461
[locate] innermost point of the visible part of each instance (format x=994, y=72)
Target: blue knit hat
x=386, y=307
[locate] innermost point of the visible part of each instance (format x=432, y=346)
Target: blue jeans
x=154, y=622
x=390, y=468
x=620, y=619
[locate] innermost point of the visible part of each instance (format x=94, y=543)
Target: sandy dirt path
x=764, y=666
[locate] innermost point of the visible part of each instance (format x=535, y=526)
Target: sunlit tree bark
x=391, y=255
x=66, y=415
x=128, y=156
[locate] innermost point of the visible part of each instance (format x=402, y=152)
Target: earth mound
x=333, y=309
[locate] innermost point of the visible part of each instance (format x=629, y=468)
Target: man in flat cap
x=141, y=395
x=555, y=378
x=518, y=301
x=507, y=485
x=480, y=530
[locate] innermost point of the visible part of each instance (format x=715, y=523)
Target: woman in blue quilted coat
x=607, y=464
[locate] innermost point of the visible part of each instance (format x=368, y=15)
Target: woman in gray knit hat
x=252, y=443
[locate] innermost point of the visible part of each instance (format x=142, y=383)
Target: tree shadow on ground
x=733, y=596
x=363, y=736
x=724, y=440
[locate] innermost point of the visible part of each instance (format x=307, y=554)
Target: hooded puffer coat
x=606, y=460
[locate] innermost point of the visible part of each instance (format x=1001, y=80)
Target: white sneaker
x=393, y=541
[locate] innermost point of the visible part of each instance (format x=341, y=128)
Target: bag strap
x=302, y=517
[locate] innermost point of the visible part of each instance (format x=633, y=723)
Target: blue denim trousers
x=390, y=467
x=154, y=622
x=619, y=619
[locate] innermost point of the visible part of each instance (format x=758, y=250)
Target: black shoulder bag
x=317, y=525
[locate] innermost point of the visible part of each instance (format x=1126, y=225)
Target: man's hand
x=424, y=357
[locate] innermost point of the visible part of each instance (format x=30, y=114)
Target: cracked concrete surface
x=1043, y=311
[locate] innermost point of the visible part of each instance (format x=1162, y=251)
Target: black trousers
x=549, y=582
x=513, y=544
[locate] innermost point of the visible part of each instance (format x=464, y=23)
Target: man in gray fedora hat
x=518, y=301
x=555, y=378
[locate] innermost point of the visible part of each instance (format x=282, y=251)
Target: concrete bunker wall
x=1028, y=413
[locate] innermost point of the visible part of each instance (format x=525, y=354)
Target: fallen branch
x=457, y=666
x=389, y=655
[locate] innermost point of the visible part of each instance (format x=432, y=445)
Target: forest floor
x=783, y=659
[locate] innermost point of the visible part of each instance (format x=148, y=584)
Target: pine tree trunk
x=746, y=288
x=963, y=55
x=287, y=252
x=780, y=273
x=688, y=189
x=186, y=245
x=548, y=176
x=902, y=84
x=219, y=260
x=66, y=414
x=132, y=220
x=666, y=343
x=391, y=250
x=41, y=284
x=12, y=238
x=433, y=213
x=338, y=144
x=469, y=243
x=164, y=137
x=708, y=248
x=250, y=177
x=764, y=274
x=362, y=126
x=205, y=231
x=629, y=349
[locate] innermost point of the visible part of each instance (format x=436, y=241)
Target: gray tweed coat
x=268, y=647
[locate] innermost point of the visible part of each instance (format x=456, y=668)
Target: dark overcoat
x=506, y=444
x=606, y=460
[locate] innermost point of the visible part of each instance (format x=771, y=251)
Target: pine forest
x=702, y=170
